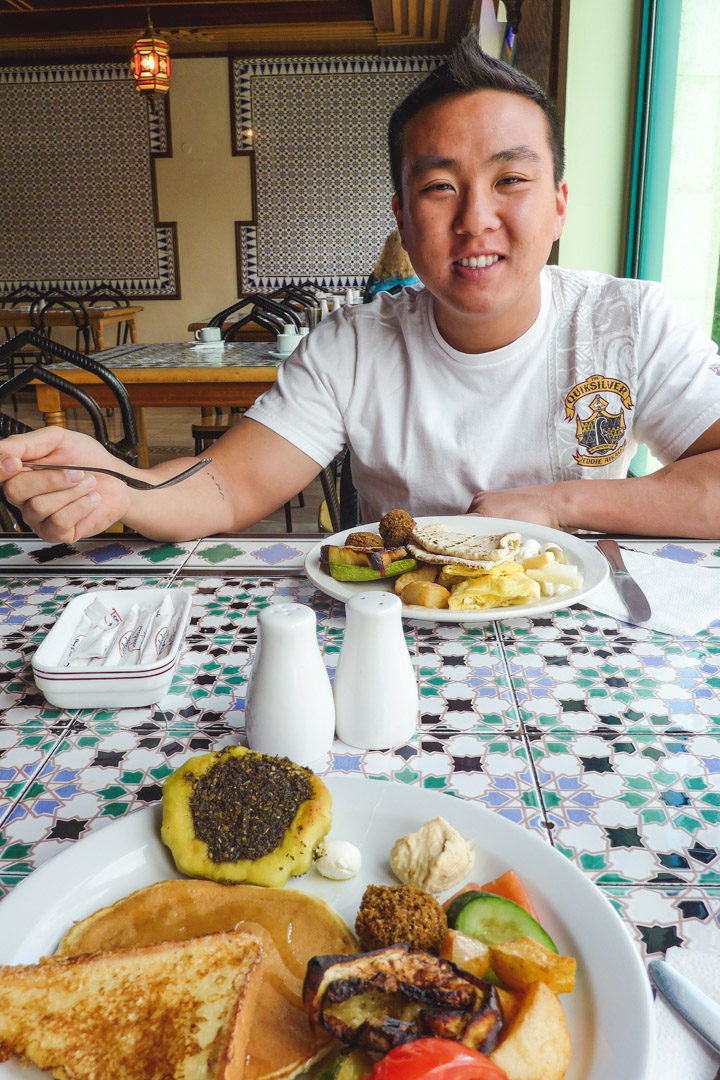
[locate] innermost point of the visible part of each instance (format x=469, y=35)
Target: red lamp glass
x=150, y=63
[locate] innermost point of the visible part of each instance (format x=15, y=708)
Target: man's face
x=479, y=213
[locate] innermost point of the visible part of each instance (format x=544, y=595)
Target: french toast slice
x=178, y=1010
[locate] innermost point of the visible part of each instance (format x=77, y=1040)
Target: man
x=500, y=388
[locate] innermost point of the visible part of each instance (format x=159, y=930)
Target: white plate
x=609, y=1013
x=591, y=564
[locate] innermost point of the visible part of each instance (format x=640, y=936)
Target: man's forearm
x=199, y=506
x=681, y=499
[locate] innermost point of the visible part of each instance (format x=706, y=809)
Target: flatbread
x=434, y=544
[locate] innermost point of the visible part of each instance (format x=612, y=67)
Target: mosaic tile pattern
x=660, y=918
x=186, y=354
x=101, y=554
x=339, y=104
x=109, y=128
x=280, y=554
x=602, y=738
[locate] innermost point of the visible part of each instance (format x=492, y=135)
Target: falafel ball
x=396, y=528
x=389, y=914
x=363, y=539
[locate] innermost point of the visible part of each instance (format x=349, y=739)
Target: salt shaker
x=323, y=308
x=289, y=707
x=375, y=688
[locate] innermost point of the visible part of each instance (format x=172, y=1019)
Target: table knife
x=700, y=1011
x=633, y=597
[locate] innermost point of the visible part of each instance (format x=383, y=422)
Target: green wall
x=598, y=115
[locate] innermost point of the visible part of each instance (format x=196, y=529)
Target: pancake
x=291, y=925
x=435, y=544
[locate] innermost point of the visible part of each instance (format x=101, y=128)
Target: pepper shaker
x=289, y=707
x=375, y=688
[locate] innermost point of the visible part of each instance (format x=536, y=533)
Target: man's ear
x=397, y=211
x=561, y=196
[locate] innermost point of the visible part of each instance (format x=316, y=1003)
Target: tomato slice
x=435, y=1059
x=511, y=887
x=508, y=885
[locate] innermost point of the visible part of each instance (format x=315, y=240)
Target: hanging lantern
x=150, y=64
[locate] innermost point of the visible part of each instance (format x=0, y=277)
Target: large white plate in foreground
x=609, y=1013
x=580, y=553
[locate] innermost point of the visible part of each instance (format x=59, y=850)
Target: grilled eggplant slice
x=381, y=999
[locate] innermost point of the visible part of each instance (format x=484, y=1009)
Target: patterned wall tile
x=67, y=130
x=323, y=186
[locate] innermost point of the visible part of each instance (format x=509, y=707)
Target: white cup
x=287, y=342
x=208, y=333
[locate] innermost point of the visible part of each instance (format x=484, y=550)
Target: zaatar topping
x=242, y=806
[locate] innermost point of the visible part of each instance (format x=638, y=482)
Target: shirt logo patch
x=601, y=433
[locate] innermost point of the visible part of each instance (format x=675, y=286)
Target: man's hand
x=532, y=504
x=62, y=506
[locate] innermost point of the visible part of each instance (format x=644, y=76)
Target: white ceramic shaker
x=375, y=688
x=289, y=707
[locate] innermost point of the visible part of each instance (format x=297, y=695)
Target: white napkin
x=684, y=599
x=680, y=1054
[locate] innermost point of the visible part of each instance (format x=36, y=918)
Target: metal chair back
x=60, y=301
x=109, y=296
x=124, y=447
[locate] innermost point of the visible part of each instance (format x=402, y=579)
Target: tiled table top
x=184, y=354
x=602, y=737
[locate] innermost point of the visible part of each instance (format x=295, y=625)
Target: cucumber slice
x=344, y=572
x=494, y=919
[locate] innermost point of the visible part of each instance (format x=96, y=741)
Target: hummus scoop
x=433, y=858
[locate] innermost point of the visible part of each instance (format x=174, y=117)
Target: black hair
x=467, y=69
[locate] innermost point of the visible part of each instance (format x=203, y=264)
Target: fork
x=140, y=485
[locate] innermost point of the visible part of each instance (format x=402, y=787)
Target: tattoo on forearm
x=221, y=493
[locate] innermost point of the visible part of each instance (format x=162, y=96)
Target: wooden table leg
x=99, y=336
x=48, y=403
x=141, y=445
x=133, y=331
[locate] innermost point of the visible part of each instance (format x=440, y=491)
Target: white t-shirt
x=609, y=363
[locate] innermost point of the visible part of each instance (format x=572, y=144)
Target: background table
x=602, y=738
x=170, y=376
x=99, y=318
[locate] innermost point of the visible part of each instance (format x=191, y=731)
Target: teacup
x=286, y=342
x=208, y=333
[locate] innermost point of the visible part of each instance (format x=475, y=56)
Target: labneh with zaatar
x=240, y=816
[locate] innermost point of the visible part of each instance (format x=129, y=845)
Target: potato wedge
x=510, y=1003
x=537, y=1044
x=423, y=573
x=425, y=594
x=468, y=953
x=520, y=963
